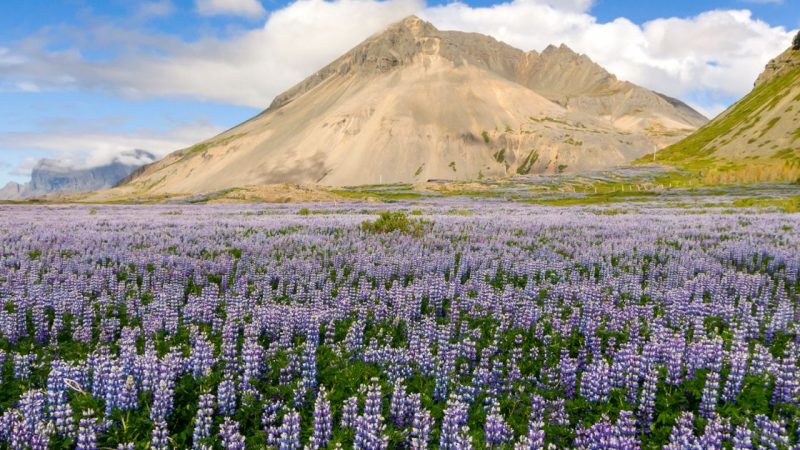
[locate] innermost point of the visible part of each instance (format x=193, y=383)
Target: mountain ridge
x=413, y=103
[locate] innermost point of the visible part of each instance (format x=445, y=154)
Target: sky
x=83, y=81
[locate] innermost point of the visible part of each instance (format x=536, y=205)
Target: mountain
x=55, y=177
x=413, y=103
x=14, y=191
x=756, y=139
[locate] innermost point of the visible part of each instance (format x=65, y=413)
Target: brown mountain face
x=414, y=103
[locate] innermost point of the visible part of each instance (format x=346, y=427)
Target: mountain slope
x=414, y=103
x=756, y=139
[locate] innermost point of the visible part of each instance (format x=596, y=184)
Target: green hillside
x=755, y=140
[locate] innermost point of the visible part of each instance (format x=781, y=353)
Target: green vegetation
x=528, y=162
x=419, y=170
x=695, y=153
x=788, y=204
x=204, y=146
x=485, y=135
x=452, y=165
x=597, y=199
x=500, y=155
x=396, y=221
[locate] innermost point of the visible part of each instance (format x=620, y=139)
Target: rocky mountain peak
x=784, y=63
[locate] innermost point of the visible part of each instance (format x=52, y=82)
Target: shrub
x=796, y=42
x=304, y=212
x=389, y=222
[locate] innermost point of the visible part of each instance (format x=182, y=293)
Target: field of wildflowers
x=491, y=325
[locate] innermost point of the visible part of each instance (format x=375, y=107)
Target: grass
x=787, y=204
x=696, y=153
x=596, y=199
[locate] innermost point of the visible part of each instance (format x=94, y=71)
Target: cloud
x=717, y=54
x=243, y=8
x=155, y=8
x=714, y=56
x=92, y=148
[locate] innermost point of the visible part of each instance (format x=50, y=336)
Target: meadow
x=449, y=323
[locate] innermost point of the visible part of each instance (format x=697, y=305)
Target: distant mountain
x=54, y=177
x=756, y=139
x=14, y=191
x=413, y=103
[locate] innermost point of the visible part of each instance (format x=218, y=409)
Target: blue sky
x=84, y=80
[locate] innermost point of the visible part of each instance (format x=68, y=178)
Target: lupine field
x=485, y=325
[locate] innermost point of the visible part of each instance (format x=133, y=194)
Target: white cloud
x=714, y=56
x=244, y=8
x=718, y=53
x=155, y=8
x=81, y=148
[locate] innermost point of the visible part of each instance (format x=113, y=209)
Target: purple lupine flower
x=31, y=407
x=41, y=436
x=444, y=368
x=787, y=378
x=160, y=436
x=399, y=405
x=323, y=421
x=647, y=399
x=534, y=440
x=308, y=369
x=226, y=397
x=710, y=395
x=625, y=431
x=421, y=426
x=733, y=384
x=201, y=356
x=290, y=431
x=496, y=430
x=370, y=425
x=601, y=435
x=252, y=361
x=595, y=383
x=682, y=436
x=557, y=413
x=162, y=400
x=350, y=412
x=22, y=365
x=715, y=432
x=770, y=434
x=743, y=438
x=538, y=407
x=455, y=418
x=230, y=436
x=87, y=431
x=568, y=369
x=203, y=420
x=127, y=399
